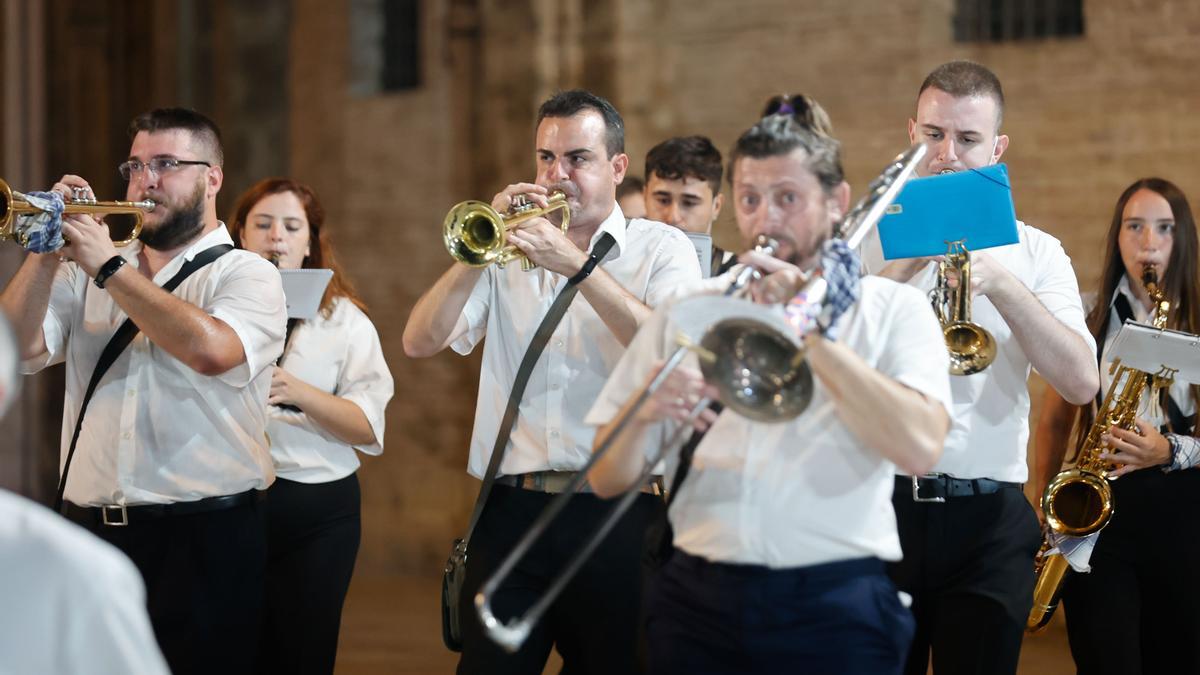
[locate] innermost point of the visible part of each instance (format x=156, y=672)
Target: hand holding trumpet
x=88, y=241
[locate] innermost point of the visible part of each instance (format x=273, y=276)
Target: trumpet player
x=969, y=535
x=579, y=151
x=171, y=454
x=1132, y=613
x=781, y=529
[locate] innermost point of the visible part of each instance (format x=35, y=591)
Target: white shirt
x=805, y=491
x=991, y=409
x=649, y=259
x=157, y=431
x=340, y=355
x=72, y=603
x=1180, y=391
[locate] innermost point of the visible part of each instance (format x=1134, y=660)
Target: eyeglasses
x=786, y=104
x=157, y=166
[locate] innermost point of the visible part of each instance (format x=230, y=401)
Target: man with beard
x=782, y=529
x=579, y=150
x=172, y=455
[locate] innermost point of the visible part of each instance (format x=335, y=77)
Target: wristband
x=584, y=271
x=108, y=269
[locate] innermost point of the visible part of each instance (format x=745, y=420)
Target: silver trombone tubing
x=512, y=634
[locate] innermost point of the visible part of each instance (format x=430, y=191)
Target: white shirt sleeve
x=914, y=350
x=250, y=300
x=364, y=378
x=1056, y=288
x=110, y=631
x=65, y=300
x=471, y=327
x=675, y=267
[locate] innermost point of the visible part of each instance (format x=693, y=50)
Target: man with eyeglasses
x=171, y=456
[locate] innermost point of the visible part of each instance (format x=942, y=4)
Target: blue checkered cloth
x=41, y=232
x=841, y=269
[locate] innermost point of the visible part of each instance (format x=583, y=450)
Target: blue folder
x=973, y=206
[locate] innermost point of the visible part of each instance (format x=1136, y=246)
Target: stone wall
x=1087, y=116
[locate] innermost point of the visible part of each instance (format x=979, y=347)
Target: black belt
x=939, y=486
x=119, y=515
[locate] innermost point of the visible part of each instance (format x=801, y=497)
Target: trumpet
x=1079, y=501
x=753, y=359
x=476, y=235
x=123, y=230
x=972, y=348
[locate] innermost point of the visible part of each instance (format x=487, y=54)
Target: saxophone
x=1079, y=501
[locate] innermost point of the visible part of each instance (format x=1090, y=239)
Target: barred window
x=1009, y=20
x=384, y=46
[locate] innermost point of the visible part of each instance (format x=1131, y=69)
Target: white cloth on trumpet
x=650, y=259
x=72, y=603
x=990, y=427
x=339, y=355
x=804, y=491
x=157, y=431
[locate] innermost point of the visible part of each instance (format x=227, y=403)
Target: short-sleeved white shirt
x=341, y=356
x=648, y=258
x=990, y=428
x=157, y=431
x=72, y=603
x=805, y=491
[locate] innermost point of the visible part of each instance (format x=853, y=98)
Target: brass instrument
x=972, y=348
x=752, y=358
x=1079, y=501
x=476, y=235
x=123, y=230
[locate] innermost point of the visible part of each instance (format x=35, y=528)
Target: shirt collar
x=220, y=235
x=614, y=224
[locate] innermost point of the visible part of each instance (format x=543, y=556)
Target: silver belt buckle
x=118, y=509
x=916, y=491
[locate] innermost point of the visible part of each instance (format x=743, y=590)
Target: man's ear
x=839, y=202
x=620, y=164
x=1000, y=147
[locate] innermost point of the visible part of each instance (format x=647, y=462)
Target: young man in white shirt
x=172, y=455
x=579, y=151
x=683, y=189
x=969, y=534
x=782, y=529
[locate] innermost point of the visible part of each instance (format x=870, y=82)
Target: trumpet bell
x=760, y=374
x=972, y=348
x=474, y=234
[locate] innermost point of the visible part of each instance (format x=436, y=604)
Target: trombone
x=752, y=357
x=476, y=235
x=972, y=348
x=123, y=230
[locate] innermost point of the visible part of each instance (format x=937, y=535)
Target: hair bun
x=803, y=109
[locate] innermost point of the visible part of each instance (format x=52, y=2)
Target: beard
x=179, y=226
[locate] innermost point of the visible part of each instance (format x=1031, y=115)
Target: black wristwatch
x=108, y=269
x=584, y=271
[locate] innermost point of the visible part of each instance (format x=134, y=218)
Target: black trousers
x=1138, y=611
x=313, y=533
x=594, y=623
x=720, y=619
x=204, y=576
x=968, y=563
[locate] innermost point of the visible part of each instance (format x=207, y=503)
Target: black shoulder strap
x=117, y=344
x=720, y=266
x=557, y=310
x=685, y=457
x=1124, y=313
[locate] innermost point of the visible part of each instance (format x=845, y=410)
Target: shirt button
x=127, y=435
x=130, y=393
x=558, y=343
x=554, y=386
x=553, y=434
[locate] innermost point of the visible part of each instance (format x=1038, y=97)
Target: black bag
x=452, y=584
x=455, y=573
